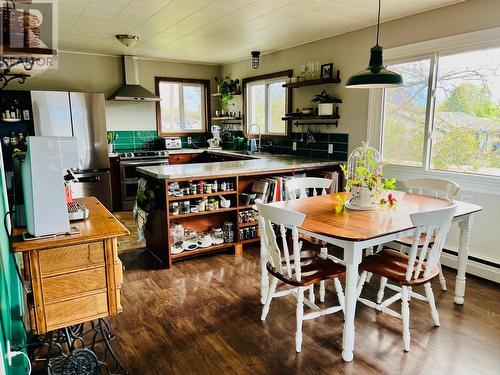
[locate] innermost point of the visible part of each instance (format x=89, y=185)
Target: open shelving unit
x=161, y=220
x=311, y=117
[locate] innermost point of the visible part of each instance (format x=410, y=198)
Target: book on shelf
x=260, y=188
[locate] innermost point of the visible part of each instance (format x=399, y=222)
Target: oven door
x=129, y=178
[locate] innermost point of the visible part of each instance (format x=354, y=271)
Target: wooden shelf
x=218, y=95
x=220, y=210
x=250, y=240
x=187, y=253
x=247, y=207
x=248, y=224
x=187, y=197
x=311, y=117
x=226, y=119
x=312, y=82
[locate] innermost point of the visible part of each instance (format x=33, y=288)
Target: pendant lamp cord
x=378, y=19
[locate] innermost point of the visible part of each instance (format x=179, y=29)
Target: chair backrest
x=435, y=225
x=271, y=219
x=299, y=187
x=433, y=186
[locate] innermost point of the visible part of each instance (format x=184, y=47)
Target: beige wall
x=350, y=53
x=95, y=73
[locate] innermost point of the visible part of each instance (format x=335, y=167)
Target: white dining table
x=354, y=231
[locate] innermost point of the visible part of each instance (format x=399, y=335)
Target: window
x=458, y=128
x=266, y=102
x=183, y=106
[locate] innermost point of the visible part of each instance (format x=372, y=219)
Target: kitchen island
x=176, y=189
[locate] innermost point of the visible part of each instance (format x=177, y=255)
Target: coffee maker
x=214, y=142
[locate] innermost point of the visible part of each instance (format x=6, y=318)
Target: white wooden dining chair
x=417, y=268
x=302, y=187
x=435, y=187
x=294, y=268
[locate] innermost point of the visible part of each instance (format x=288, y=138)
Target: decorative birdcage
x=364, y=177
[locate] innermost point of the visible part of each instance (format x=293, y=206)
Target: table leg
x=463, y=254
x=352, y=257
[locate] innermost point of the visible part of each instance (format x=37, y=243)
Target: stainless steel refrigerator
x=81, y=115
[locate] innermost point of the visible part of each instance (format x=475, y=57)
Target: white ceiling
x=217, y=31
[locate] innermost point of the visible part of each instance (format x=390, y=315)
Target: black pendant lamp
x=376, y=75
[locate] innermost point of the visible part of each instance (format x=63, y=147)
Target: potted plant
x=364, y=179
x=111, y=138
x=227, y=88
x=325, y=103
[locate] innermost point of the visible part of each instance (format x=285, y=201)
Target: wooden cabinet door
x=180, y=159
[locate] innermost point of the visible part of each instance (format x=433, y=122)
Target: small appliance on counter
x=214, y=142
x=43, y=170
x=168, y=143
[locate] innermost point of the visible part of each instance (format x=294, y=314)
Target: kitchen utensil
x=205, y=240
x=224, y=203
x=189, y=245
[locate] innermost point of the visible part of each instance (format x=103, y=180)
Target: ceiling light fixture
x=127, y=39
x=255, y=59
x=376, y=75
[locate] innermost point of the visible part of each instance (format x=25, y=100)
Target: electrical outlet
x=190, y=140
x=294, y=146
x=330, y=148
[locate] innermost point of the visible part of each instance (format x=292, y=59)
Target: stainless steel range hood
x=131, y=91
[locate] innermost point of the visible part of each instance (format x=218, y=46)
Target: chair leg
x=270, y=294
x=442, y=280
x=380, y=294
x=361, y=282
x=311, y=293
x=300, y=316
x=322, y=291
x=405, y=312
x=340, y=293
x=432, y=304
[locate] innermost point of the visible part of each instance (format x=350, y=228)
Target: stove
x=145, y=154
x=129, y=177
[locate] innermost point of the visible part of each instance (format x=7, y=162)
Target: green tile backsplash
x=144, y=139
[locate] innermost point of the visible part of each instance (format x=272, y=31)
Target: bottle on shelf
x=13, y=139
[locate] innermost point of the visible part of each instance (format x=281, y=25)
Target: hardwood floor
x=203, y=317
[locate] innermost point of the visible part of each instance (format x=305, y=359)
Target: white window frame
x=183, y=129
x=439, y=47
x=266, y=83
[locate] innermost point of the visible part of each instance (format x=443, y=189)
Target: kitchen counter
x=256, y=164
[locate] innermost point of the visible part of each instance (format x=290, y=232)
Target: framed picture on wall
x=327, y=71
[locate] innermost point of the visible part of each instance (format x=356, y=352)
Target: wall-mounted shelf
x=310, y=117
x=226, y=119
x=218, y=94
x=313, y=82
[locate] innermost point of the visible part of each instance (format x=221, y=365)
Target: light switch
x=330, y=148
x=294, y=146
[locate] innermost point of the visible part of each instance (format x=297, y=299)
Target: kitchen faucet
x=260, y=134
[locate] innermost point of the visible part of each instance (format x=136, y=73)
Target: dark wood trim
x=283, y=73
x=206, y=85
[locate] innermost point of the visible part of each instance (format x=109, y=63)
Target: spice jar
x=207, y=188
x=193, y=187
x=217, y=236
x=211, y=204
x=215, y=187
x=199, y=187
x=174, y=208
x=184, y=207
x=228, y=231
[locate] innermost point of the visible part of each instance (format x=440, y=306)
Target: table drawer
x=73, y=311
x=71, y=258
x=73, y=284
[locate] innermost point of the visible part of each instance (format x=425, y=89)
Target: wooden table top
x=100, y=224
x=354, y=225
